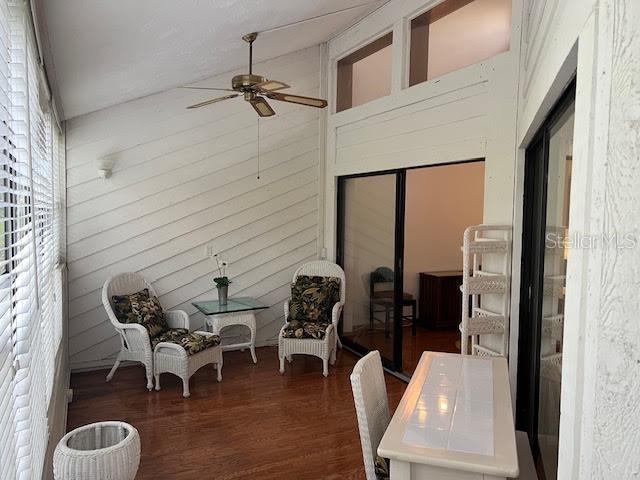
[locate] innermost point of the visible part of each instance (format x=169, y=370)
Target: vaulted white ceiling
x=104, y=52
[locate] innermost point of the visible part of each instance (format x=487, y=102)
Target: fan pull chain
x=258, y=148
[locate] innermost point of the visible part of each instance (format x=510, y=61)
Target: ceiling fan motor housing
x=246, y=82
x=254, y=89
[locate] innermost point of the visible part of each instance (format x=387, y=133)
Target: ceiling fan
x=256, y=89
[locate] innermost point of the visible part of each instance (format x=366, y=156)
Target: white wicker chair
x=324, y=348
x=134, y=338
x=372, y=407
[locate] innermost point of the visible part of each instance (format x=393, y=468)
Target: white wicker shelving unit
x=486, y=276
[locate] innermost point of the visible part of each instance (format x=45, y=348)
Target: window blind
x=7, y=420
x=30, y=282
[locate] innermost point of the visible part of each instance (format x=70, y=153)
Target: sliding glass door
x=369, y=250
x=544, y=262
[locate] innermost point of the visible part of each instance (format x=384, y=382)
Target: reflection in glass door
x=545, y=253
x=553, y=289
x=368, y=243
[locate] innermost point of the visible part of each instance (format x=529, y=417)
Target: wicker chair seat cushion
x=313, y=298
x=298, y=329
x=192, y=342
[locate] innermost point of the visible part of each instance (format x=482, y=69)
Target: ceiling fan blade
x=261, y=106
x=271, y=86
x=209, y=102
x=308, y=101
x=209, y=88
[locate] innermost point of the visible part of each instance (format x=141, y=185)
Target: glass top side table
x=237, y=311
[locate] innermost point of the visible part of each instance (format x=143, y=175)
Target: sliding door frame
x=532, y=271
x=394, y=364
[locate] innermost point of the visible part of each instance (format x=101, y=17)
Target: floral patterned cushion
x=297, y=329
x=148, y=313
x=122, y=305
x=192, y=342
x=312, y=299
x=382, y=468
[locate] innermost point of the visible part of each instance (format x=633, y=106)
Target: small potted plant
x=222, y=281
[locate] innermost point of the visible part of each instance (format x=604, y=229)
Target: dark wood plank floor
x=256, y=423
x=425, y=339
x=412, y=347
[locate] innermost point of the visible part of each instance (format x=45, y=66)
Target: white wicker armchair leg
x=185, y=388
x=149, y=371
x=113, y=369
x=281, y=349
x=219, y=362
x=252, y=328
x=333, y=342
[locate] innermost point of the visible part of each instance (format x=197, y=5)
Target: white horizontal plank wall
x=183, y=179
x=466, y=114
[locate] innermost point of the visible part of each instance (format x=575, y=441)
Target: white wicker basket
x=98, y=451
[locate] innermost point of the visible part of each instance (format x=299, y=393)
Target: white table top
x=456, y=413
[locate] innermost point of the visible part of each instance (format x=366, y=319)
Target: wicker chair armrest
x=135, y=335
x=170, y=347
x=336, y=312
x=286, y=311
x=177, y=319
x=330, y=328
x=286, y=324
x=133, y=328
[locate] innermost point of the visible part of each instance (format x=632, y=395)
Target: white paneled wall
x=466, y=114
x=182, y=180
x=419, y=132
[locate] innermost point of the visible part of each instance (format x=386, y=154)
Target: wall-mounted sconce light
x=105, y=166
